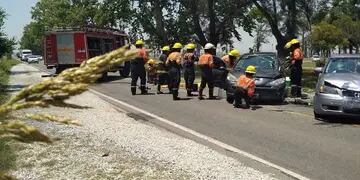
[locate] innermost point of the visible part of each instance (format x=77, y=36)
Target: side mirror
x=318, y=70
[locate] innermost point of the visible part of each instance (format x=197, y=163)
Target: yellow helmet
x=177, y=46
x=294, y=41
x=151, y=61
x=165, y=48
x=139, y=42
x=190, y=46
x=251, y=69
x=234, y=53
x=290, y=43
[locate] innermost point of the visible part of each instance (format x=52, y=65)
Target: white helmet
x=209, y=46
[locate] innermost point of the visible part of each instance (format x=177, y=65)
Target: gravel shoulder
x=112, y=145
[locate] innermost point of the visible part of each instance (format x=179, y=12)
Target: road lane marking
x=204, y=137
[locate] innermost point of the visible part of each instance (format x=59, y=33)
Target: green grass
x=7, y=156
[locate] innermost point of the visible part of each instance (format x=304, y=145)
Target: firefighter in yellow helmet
x=188, y=63
x=138, y=68
x=245, y=87
x=296, y=60
x=163, y=76
x=174, y=64
x=230, y=58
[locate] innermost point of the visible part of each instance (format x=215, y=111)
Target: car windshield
x=343, y=65
x=261, y=62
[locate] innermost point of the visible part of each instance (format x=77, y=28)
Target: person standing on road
x=296, y=60
x=162, y=73
x=230, y=58
x=138, y=68
x=174, y=64
x=189, y=60
x=206, y=63
x=245, y=87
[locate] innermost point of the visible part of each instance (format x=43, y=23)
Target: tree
x=326, y=37
x=261, y=34
x=6, y=44
x=32, y=37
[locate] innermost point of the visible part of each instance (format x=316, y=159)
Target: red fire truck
x=69, y=47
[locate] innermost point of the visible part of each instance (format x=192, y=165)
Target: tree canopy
x=6, y=43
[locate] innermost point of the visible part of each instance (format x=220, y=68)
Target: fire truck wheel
x=59, y=70
x=125, y=72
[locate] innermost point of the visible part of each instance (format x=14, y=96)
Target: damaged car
x=338, y=88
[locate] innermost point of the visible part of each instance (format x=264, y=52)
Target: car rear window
x=261, y=62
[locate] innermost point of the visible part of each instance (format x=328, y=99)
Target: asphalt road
x=286, y=135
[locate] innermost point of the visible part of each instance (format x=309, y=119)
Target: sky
x=19, y=15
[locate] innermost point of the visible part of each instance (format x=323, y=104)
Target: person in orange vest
x=245, y=87
x=138, y=68
x=163, y=76
x=174, y=64
x=206, y=63
x=189, y=60
x=296, y=60
x=230, y=58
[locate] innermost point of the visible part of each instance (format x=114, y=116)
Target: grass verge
x=7, y=156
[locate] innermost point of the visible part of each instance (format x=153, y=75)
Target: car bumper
x=262, y=93
x=331, y=104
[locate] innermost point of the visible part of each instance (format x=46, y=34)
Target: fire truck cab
x=64, y=48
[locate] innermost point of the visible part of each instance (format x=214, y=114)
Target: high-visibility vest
x=142, y=53
x=206, y=60
x=174, y=56
x=248, y=83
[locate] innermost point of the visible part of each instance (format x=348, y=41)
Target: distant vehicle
x=39, y=57
x=270, y=84
x=32, y=59
x=66, y=48
x=316, y=57
x=338, y=87
x=24, y=53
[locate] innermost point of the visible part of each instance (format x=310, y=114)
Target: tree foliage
x=6, y=44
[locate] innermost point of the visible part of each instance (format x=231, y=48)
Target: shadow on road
x=11, y=88
x=338, y=121
x=110, y=79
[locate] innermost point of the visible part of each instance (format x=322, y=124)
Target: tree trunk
x=212, y=26
x=160, y=28
x=196, y=20
x=350, y=48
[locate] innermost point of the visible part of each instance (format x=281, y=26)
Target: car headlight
x=329, y=90
x=277, y=82
x=231, y=78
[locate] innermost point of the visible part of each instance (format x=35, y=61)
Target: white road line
x=204, y=137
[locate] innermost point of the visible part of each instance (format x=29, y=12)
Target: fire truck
x=69, y=47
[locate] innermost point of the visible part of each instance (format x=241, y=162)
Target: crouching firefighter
x=245, y=87
x=174, y=64
x=296, y=60
x=138, y=68
x=206, y=63
x=189, y=67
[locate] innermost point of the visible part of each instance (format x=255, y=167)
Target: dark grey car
x=338, y=87
x=270, y=84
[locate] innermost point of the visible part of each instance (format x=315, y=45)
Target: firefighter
x=138, y=68
x=163, y=76
x=245, y=87
x=189, y=60
x=174, y=64
x=206, y=63
x=230, y=58
x=296, y=60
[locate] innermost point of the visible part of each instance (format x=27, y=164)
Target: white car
x=32, y=59
x=316, y=57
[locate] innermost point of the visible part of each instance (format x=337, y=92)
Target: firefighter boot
x=133, y=91
x=175, y=95
x=201, y=94
x=211, y=93
x=298, y=91
x=143, y=90
x=293, y=91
